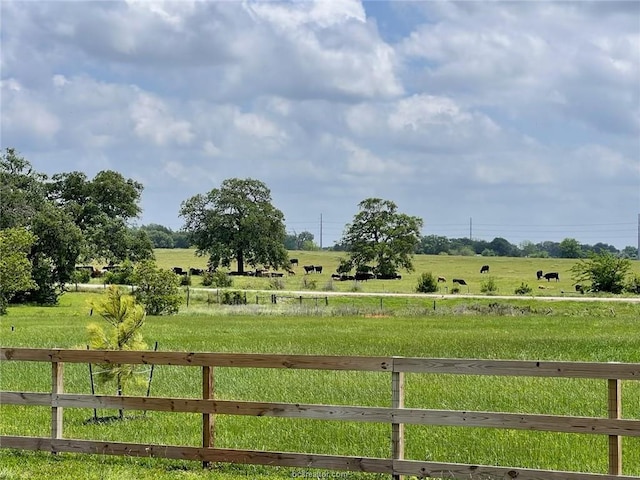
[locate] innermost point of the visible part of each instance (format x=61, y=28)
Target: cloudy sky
x=513, y=119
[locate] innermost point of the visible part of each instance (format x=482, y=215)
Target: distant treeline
x=163, y=237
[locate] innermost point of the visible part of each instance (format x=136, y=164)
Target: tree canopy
x=72, y=218
x=236, y=222
x=380, y=234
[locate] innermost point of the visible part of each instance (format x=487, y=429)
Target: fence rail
x=397, y=415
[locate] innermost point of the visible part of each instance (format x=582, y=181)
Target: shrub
x=489, y=285
x=523, y=289
x=604, y=271
x=122, y=276
x=309, y=283
x=276, y=284
x=427, y=283
x=633, y=285
x=81, y=276
x=233, y=297
x=157, y=289
x=218, y=279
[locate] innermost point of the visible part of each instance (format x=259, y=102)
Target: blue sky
x=523, y=117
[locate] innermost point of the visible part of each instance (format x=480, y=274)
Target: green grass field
x=458, y=328
x=508, y=273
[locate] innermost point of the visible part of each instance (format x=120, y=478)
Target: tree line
x=50, y=224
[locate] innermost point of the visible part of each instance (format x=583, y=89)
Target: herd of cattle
x=309, y=269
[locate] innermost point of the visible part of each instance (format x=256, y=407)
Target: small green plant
x=523, y=289
x=489, y=285
x=125, y=319
x=276, y=284
x=427, y=283
x=309, y=283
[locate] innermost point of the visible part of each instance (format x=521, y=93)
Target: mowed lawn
x=456, y=329
x=508, y=273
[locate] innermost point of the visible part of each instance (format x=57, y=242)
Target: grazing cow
x=580, y=288
x=196, y=271
x=335, y=276
x=539, y=274
x=364, y=276
x=318, y=268
x=442, y=279
x=390, y=276
x=308, y=268
x=459, y=281
x=484, y=269
x=551, y=275
x=294, y=261
x=178, y=271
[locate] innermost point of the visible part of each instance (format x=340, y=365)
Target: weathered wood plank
x=57, y=387
x=466, y=472
x=623, y=371
x=614, y=400
x=407, y=416
x=245, y=360
x=283, y=459
x=25, y=398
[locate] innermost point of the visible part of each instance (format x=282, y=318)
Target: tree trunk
x=240, y=259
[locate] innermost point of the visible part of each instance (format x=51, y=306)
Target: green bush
x=123, y=275
x=489, y=285
x=218, y=279
x=427, y=283
x=81, y=276
x=633, y=285
x=276, y=284
x=309, y=284
x=230, y=297
x=523, y=289
x=157, y=289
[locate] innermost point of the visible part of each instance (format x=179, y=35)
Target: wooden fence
x=397, y=416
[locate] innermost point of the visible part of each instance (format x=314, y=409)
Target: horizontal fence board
x=408, y=416
x=466, y=472
x=623, y=371
x=25, y=398
x=245, y=360
x=518, y=421
x=281, y=459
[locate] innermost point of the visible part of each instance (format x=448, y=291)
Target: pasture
x=508, y=273
x=459, y=328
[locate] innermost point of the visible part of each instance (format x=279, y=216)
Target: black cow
x=580, y=289
x=364, y=276
x=459, y=281
x=484, y=269
x=196, y=271
x=178, y=271
x=308, y=268
x=539, y=274
x=294, y=261
x=318, y=268
x=442, y=279
x=551, y=275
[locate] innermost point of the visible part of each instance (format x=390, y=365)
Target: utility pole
x=638, y=255
x=470, y=228
x=320, y=231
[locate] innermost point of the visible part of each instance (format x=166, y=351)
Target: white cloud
x=152, y=120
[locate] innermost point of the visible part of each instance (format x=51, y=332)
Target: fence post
x=397, y=429
x=208, y=419
x=57, y=388
x=615, y=441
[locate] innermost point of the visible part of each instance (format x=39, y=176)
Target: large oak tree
x=379, y=234
x=236, y=222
